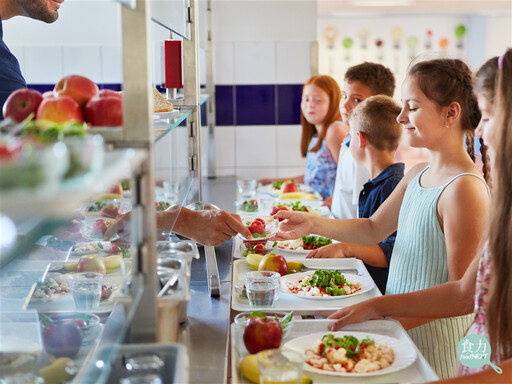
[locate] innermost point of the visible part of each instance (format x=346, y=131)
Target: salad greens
x=278, y=184
x=349, y=343
x=297, y=206
x=98, y=205
x=249, y=206
x=317, y=241
x=329, y=280
x=283, y=321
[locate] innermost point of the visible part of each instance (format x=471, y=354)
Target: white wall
x=261, y=42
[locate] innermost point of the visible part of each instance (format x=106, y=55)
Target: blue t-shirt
x=371, y=197
x=11, y=78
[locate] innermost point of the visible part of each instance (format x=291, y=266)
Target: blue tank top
x=320, y=169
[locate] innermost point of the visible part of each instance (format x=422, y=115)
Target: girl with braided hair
x=440, y=210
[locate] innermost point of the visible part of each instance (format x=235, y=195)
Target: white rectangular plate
x=289, y=302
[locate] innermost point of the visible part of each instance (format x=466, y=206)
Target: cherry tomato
x=260, y=248
x=257, y=227
x=114, y=249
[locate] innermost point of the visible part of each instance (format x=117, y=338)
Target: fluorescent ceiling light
x=381, y=3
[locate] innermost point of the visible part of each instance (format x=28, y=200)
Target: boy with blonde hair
x=375, y=136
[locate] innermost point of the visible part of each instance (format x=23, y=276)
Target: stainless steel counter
x=205, y=333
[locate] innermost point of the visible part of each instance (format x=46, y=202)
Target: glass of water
x=86, y=288
x=247, y=188
x=262, y=288
x=280, y=366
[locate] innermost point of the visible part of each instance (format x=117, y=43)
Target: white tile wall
x=293, y=62
x=255, y=63
x=84, y=60
x=225, y=151
x=19, y=53
x=111, y=64
x=285, y=172
x=43, y=65
x=224, y=63
x=255, y=146
x=288, y=146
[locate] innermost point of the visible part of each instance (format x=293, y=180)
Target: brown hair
x=377, y=77
x=500, y=237
x=445, y=81
x=484, y=83
x=330, y=86
x=377, y=120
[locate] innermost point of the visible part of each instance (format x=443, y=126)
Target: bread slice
x=160, y=103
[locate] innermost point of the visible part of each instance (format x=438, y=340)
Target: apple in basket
x=91, y=263
x=22, y=103
x=79, y=88
x=59, y=109
x=105, y=109
x=262, y=333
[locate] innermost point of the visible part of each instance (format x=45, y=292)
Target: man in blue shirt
x=374, y=138
x=10, y=73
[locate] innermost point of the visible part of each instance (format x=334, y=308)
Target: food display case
x=49, y=234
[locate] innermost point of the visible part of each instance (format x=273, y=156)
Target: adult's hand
x=212, y=227
x=328, y=251
x=294, y=225
x=354, y=314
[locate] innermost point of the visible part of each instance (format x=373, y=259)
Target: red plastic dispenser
x=173, y=66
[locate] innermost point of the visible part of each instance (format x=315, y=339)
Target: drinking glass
x=262, y=288
x=247, y=188
x=280, y=366
x=86, y=288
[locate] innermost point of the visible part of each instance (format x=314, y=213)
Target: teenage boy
x=361, y=81
x=375, y=136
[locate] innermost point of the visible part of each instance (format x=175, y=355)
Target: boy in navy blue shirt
x=375, y=136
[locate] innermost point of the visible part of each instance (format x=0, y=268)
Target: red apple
x=275, y=263
x=48, y=94
x=262, y=333
x=91, y=263
x=62, y=338
x=22, y=103
x=59, y=109
x=289, y=186
x=80, y=88
x=105, y=110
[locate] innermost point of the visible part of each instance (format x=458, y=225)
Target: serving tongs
x=212, y=270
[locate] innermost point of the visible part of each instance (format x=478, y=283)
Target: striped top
x=419, y=258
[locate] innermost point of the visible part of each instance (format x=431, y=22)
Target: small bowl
x=242, y=319
x=89, y=332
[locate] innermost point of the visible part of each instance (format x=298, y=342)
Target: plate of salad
x=274, y=189
x=303, y=245
x=325, y=284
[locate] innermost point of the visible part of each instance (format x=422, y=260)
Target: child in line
x=375, y=136
x=361, y=81
x=486, y=287
x=322, y=134
x=440, y=209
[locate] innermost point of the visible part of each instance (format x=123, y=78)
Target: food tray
x=288, y=302
x=65, y=303
x=419, y=372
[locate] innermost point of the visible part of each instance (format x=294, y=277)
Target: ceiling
x=344, y=7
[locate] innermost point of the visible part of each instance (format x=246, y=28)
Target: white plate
x=298, y=252
x=405, y=354
x=366, y=285
x=269, y=189
x=106, y=248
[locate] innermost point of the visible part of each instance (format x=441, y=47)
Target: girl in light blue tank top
x=419, y=261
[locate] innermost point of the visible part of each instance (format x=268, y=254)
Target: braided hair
x=448, y=80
